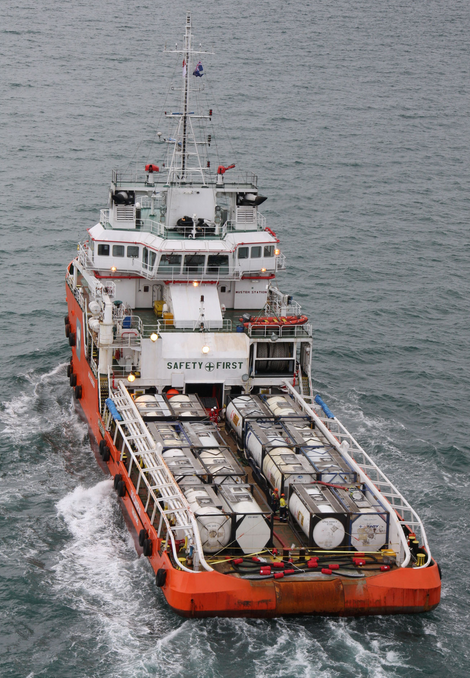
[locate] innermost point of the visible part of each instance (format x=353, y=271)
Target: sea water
x=355, y=116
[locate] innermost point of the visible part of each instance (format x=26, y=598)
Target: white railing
x=104, y=217
x=85, y=254
x=400, y=511
x=161, y=486
x=280, y=262
x=163, y=325
x=281, y=331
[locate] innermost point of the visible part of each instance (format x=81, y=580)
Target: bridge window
x=133, y=251
x=118, y=250
x=256, y=252
x=217, y=263
x=194, y=263
x=269, y=250
x=243, y=252
x=170, y=263
x=103, y=250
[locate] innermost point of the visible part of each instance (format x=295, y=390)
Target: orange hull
x=209, y=594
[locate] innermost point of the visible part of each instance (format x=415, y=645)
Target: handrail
x=155, y=466
x=374, y=484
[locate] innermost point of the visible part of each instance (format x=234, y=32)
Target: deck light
x=131, y=377
x=195, y=283
x=113, y=269
x=263, y=270
x=277, y=252
x=205, y=349
x=154, y=336
x=274, y=337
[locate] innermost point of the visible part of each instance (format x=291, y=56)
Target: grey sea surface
x=355, y=116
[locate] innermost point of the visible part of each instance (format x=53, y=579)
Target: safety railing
x=270, y=332
x=164, y=325
x=153, y=474
x=401, y=513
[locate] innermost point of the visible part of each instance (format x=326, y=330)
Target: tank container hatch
x=320, y=515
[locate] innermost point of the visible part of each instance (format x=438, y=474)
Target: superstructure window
x=170, y=263
x=133, y=251
x=194, y=263
x=103, y=250
x=148, y=258
x=243, y=252
x=118, y=250
x=269, y=250
x=256, y=252
x=217, y=263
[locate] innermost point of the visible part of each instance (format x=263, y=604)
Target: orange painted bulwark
x=210, y=594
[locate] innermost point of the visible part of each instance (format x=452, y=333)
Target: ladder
x=162, y=488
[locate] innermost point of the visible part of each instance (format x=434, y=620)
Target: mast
x=185, y=159
x=186, y=67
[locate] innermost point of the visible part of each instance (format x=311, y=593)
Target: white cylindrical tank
x=252, y=529
x=301, y=513
x=308, y=434
x=254, y=446
x=290, y=473
x=214, y=525
x=146, y=404
x=280, y=406
x=240, y=408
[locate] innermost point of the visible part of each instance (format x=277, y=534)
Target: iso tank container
x=283, y=406
x=214, y=524
x=153, y=407
x=182, y=462
x=202, y=434
x=368, y=522
x=320, y=516
x=243, y=408
x=302, y=433
x=251, y=523
x=282, y=467
x=221, y=466
x=261, y=437
x=168, y=434
x=330, y=465
x=186, y=407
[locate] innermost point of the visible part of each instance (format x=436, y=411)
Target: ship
x=246, y=494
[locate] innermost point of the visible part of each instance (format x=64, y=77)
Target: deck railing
x=401, y=513
x=153, y=473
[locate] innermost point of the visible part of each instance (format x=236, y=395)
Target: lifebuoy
x=160, y=578
x=143, y=535
x=148, y=548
